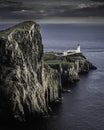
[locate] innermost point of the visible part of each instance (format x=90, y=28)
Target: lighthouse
x=70, y=52
x=78, y=48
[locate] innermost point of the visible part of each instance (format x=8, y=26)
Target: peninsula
x=30, y=80
x=70, y=66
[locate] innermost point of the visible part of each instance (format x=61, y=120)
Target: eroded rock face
x=24, y=83
x=69, y=66
x=27, y=84
x=68, y=72
x=52, y=83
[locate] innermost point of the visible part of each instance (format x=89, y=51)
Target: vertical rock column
x=22, y=93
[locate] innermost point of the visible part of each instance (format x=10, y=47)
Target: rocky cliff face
x=69, y=66
x=26, y=85
x=52, y=83
x=68, y=72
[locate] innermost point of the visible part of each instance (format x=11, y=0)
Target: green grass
x=54, y=61
x=51, y=58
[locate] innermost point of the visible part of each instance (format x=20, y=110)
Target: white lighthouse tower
x=70, y=52
x=78, y=48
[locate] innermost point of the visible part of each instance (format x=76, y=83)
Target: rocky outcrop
x=26, y=85
x=52, y=83
x=85, y=66
x=69, y=66
x=68, y=72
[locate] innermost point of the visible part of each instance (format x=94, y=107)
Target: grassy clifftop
x=54, y=58
x=68, y=66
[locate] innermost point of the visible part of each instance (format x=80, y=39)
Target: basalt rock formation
x=69, y=66
x=29, y=83
x=27, y=86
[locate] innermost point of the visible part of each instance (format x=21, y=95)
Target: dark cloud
x=98, y=0
x=40, y=9
x=86, y=12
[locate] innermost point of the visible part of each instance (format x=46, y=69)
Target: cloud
x=42, y=9
x=98, y=1
x=90, y=5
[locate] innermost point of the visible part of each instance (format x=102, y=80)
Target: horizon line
x=59, y=20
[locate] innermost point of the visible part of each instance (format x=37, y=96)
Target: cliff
x=26, y=84
x=29, y=79
x=69, y=66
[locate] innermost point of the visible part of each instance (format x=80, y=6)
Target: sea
x=83, y=107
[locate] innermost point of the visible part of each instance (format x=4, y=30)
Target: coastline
x=70, y=66
x=30, y=81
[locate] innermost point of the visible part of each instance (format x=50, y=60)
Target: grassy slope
x=51, y=58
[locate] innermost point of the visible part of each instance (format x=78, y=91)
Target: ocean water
x=59, y=37
x=83, y=107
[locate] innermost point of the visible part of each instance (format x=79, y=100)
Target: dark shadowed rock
x=26, y=85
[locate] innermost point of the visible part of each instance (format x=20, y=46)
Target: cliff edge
x=25, y=87
x=29, y=79
x=69, y=66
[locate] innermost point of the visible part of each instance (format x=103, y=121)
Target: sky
x=52, y=10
